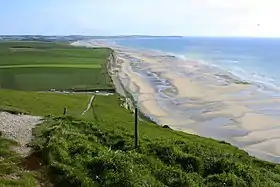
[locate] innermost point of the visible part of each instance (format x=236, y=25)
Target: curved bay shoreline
x=197, y=99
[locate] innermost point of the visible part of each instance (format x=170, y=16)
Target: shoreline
x=201, y=103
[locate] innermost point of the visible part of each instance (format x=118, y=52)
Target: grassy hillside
x=11, y=174
x=12, y=170
x=100, y=152
x=42, y=66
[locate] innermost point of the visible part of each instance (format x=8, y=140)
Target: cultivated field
x=41, y=66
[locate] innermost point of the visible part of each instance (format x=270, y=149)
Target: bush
x=224, y=180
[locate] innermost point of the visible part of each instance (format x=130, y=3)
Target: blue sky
x=147, y=17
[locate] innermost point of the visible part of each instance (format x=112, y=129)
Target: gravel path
x=18, y=128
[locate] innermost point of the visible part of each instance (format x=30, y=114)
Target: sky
x=256, y=18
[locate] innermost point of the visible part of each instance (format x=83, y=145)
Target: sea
x=254, y=60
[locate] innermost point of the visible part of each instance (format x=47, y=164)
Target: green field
x=41, y=66
x=52, y=66
x=43, y=104
x=47, y=78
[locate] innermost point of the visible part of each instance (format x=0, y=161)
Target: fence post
x=136, y=128
x=65, y=111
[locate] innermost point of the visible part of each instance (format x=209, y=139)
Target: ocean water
x=255, y=60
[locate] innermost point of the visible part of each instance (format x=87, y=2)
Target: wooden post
x=136, y=128
x=65, y=111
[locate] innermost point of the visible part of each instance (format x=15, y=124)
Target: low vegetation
x=98, y=150
x=42, y=104
x=11, y=172
x=101, y=152
x=41, y=66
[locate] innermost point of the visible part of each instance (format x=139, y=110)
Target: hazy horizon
x=159, y=36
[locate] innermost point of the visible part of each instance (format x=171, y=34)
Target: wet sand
x=199, y=99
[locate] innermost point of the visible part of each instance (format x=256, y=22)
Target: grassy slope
x=11, y=174
x=53, y=65
x=101, y=153
x=98, y=150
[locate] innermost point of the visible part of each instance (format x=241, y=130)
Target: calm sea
x=256, y=60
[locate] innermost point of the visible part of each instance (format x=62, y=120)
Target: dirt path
x=89, y=104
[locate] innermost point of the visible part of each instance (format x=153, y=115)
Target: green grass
x=52, y=66
x=11, y=174
x=49, y=52
x=100, y=152
x=43, y=104
x=34, y=79
x=40, y=66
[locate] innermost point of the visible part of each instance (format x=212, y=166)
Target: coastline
x=190, y=97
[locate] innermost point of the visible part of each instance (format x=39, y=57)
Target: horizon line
x=133, y=35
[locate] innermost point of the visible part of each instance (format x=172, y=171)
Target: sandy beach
x=197, y=99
